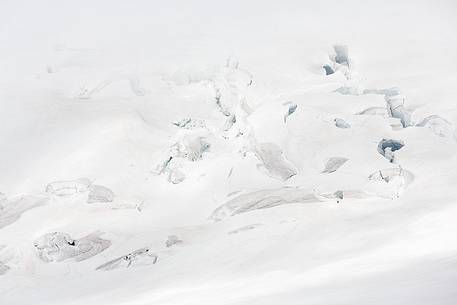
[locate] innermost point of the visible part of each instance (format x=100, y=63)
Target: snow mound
x=190, y=123
x=262, y=200
x=12, y=209
x=137, y=258
x=245, y=228
x=333, y=164
x=57, y=247
x=438, y=125
x=87, y=92
x=99, y=193
x=3, y=268
x=172, y=240
x=390, y=182
x=68, y=187
x=373, y=111
x=274, y=162
x=191, y=146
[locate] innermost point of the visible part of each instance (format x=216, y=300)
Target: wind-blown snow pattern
x=228, y=153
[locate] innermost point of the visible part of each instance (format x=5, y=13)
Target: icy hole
x=340, y=123
x=386, y=147
x=328, y=70
x=291, y=107
x=341, y=55
x=339, y=61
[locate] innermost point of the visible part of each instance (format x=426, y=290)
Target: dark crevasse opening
x=341, y=54
x=328, y=70
x=386, y=147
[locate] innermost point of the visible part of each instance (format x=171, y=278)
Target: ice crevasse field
x=228, y=152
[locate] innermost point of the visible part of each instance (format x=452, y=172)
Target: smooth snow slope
x=196, y=152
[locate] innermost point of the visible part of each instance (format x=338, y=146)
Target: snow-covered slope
x=300, y=152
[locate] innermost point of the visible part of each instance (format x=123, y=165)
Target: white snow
x=197, y=152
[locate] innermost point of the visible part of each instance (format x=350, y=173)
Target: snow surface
x=172, y=152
